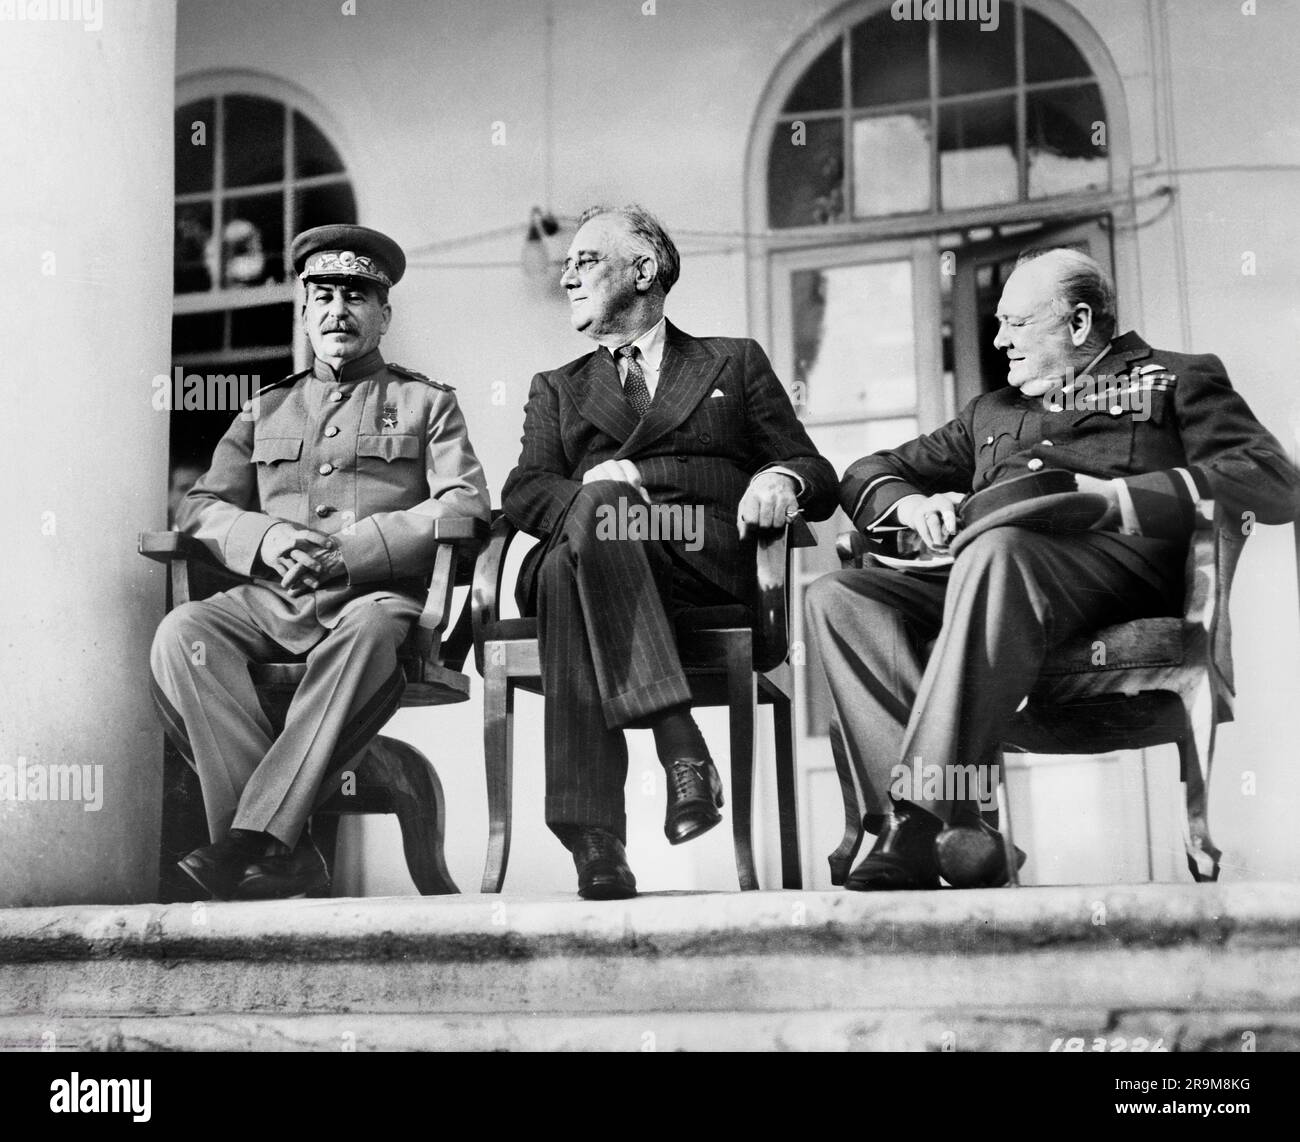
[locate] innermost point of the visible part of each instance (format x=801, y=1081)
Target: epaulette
x=284, y=381
x=402, y=371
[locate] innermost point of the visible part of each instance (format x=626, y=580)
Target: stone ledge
x=476, y=927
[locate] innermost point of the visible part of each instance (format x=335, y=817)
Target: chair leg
x=498, y=761
x=325, y=836
x=842, y=858
x=786, y=794
x=1007, y=830
x=742, y=695
x=420, y=809
x=1196, y=753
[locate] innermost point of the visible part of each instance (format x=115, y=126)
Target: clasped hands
x=771, y=500
x=304, y=559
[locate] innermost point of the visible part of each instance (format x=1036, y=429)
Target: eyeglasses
x=584, y=263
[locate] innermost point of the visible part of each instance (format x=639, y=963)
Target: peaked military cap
x=347, y=253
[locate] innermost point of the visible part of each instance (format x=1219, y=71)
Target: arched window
x=251, y=172
x=903, y=117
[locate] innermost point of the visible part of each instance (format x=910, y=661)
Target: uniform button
x=1053, y=408
x=336, y=396
x=705, y=438
x=681, y=459
x=1116, y=409
x=989, y=440
x=324, y=510
x=1047, y=443
x=1035, y=464
x=325, y=469
x=332, y=430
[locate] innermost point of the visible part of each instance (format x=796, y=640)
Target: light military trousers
x=210, y=709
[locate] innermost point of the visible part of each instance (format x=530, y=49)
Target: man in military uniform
x=1151, y=432
x=325, y=491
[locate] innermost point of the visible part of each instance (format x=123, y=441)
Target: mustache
x=339, y=327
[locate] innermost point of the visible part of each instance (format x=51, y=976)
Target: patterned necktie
x=634, y=386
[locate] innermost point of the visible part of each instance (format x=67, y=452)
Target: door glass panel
x=891, y=164
x=977, y=153
x=854, y=343
x=1064, y=139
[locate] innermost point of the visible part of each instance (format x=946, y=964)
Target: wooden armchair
x=735, y=656
x=1133, y=685
x=391, y=776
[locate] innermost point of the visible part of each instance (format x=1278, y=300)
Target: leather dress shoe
x=903, y=856
x=694, y=798
x=283, y=873
x=219, y=867
x=603, y=872
x=972, y=854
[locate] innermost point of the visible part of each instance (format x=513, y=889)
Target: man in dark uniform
x=653, y=418
x=1150, y=431
x=324, y=490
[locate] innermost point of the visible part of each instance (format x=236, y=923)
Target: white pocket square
x=716, y=393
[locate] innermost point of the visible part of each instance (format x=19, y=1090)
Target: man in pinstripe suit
x=658, y=417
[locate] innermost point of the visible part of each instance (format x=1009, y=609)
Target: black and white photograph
x=604, y=526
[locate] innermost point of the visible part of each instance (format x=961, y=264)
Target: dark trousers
x=1009, y=598
x=605, y=610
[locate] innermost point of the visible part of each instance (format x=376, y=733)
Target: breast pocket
x=276, y=449
x=994, y=447
x=389, y=447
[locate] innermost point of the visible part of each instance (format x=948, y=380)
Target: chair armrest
x=772, y=594
x=1201, y=584
x=485, y=594
x=166, y=546
x=460, y=529
x=851, y=547
x=457, y=538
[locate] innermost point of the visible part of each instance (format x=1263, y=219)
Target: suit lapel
x=685, y=374
x=599, y=396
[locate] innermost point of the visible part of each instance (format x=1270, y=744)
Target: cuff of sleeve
x=878, y=498
x=365, y=554
x=244, y=540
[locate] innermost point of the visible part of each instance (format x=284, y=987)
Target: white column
x=85, y=233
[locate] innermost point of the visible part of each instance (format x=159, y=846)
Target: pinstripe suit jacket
x=719, y=416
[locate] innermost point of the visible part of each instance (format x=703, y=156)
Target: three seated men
x=324, y=493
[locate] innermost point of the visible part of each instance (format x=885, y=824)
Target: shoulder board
x=402, y=371
x=285, y=381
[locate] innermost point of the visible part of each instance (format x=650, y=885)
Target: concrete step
x=1190, y=967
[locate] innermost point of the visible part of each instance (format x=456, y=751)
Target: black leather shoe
x=283, y=874
x=903, y=856
x=219, y=867
x=603, y=872
x=694, y=798
x=972, y=854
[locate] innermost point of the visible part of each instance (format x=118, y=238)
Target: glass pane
x=855, y=353
x=194, y=146
x=1065, y=136
x=977, y=153
x=805, y=174
x=1049, y=52
x=198, y=332
x=254, y=140
x=191, y=268
x=891, y=164
x=975, y=56
x=324, y=205
x=889, y=61
x=261, y=325
x=822, y=85
x=252, y=240
x=312, y=152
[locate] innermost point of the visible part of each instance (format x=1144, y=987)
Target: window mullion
x=932, y=50
x=1022, y=133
